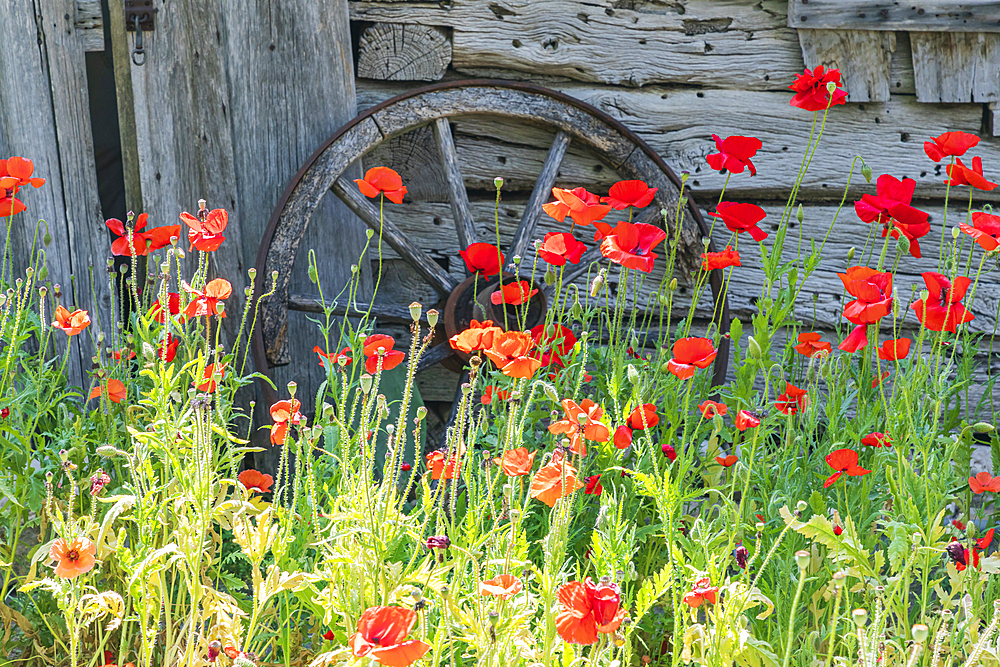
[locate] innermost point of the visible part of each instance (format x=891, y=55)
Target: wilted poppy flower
x=390, y=357
x=594, y=487
x=587, y=609
x=560, y=247
x=73, y=557
x=98, y=481
x=438, y=542
x=872, y=292
x=492, y=391
x=726, y=461
x=894, y=350
x=382, y=180
x=810, y=345
x=949, y=144
x=381, y=636
x=439, y=468
x=741, y=555
x=876, y=439
x=334, y=357
x=502, y=586
x=513, y=294
x=961, y=556
x=643, y=416
x=811, y=91
x=623, y=437
x=702, y=591
x=629, y=193
x=584, y=207
x=205, y=303
x=631, y=245
x=943, y=310
x=890, y=207
x=16, y=172
x=516, y=462
x=156, y=238
x=167, y=349
x=71, y=323
x=740, y=218
x=483, y=258
x=510, y=350
x=959, y=174
x=843, y=461
x=985, y=230
x=669, y=451
x=734, y=154
x=173, y=307
x=208, y=381
x=113, y=389
x=689, y=354
x=582, y=423
x=720, y=260
x=206, y=236
x=283, y=413
x=746, y=419
x=255, y=482
x=555, y=342
x=711, y=408
x=983, y=482
x=792, y=401
x=556, y=479
x=478, y=336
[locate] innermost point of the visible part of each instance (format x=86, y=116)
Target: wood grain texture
x=125, y=98
x=928, y=15
x=956, y=67
x=401, y=52
x=540, y=195
x=89, y=24
x=864, y=58
x=384, y=313
x=457, y=194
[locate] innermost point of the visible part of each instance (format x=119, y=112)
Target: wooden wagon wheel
x=573, y=120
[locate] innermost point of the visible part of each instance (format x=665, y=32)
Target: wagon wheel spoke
x=308, y=303
x=460, y=209
x=580, y=269
x=541, y=193
x=435, y=355
x=414, y=256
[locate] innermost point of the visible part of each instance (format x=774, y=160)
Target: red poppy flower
x=168, y=348
x=793, y=400
x=16, y=172
x=703, y=591
x=483, y=258
x=555, y=346
x=502, y=586
x=876, y=439
x=959, y=174
x=554, y=480
x=173, y=307
x=594, y=487
x=811, y=93
x=492, y=391
x=329, y=636
x=983, y=482
x=643, y=416
x=124, y=355
x=71, y=323
x=382, y=180
x=629, y=193
x=381, y=636
x=510, y=352
x=206, y=236
x=631, y=245
x=560, y=247
x=958, y=524
x=9, y=205
x=205, y=303
x=746, y=419
x=208, y=379
x=516, y=462
x=584, y=207
x=623, y=437
x=390, y=357
x=943, y=310
x=872, y=292
x=284, y=413
x=440, y=468
x=734, y=154
x=113, y=389
x=843, y=461
x=741, y=218
x=334, y=357
x=73, y=557
x=478, y=336
x=689, y=354
x=838, y=530
x=950, y=144
x=894, y=350
x=726, y=461
x=985, y=230
x=513, y=294
x=890, y=207
x=720, y=260
x=255, y=482
x=810, y=345
x=157, y=238
x=878, y=380
x=669, y=451
x=960, y=555
x=711, y=408
x=582, y=423
x=587, y=609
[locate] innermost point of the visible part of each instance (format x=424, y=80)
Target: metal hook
x=138, y=53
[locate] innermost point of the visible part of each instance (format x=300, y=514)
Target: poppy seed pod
x=920, y=632
x=802, y=559
x=860, y=617
x=955, y=231
x=366, y=383
x=924, y=295
x=432, y=317
x=759, y=526
x=684, y=176
x=801, y=505
x=516, y=259
x=369, y=233
x=421, y=413
x=831, y=87
x=498, y=182
x=252, y=272
x=415, y=310
x=354, y=268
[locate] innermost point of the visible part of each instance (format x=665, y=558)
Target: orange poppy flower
x=985, y=230
x=513, y=294
x=587, y=609
x=560, y=247
x=142, y=242
x=478, y=336
x=637, y=421
x=450, y=470
x=284, y=413
x=509, y=351
x=492, y=391
x=711, y=408
x=623, y=437
x=390, y=357
x=584, y=207
x=72, y=323
x=720, y=260
x=208, y=382
x=206, y=236
x=16, y=172
x=382, y=180
x=629, y=193
x=334, y=357
x=872, y=292
x=483, y=258
x=9, y=205
x=746, y=419
x=983, y=482
x=810, y=344
x=556, y=479
x=556, y=342
x=703, y=591
x=173, y=307
x=205, y=303
x=502, y=586
x=381, y=636
x=894, y=350
x=113, y=389
x=631, y=245
x=582, y=423
x=255, y=482
x=950, y=144
x=516, y=462
x=726, y=461
x=690, y=354
x=73, y=557
x=959, y=174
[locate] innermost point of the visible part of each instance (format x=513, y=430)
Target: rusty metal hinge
x=139, y=18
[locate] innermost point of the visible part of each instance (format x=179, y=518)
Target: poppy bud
x=550, y=277
x=432, y=317
x=866, y=171
x=665, y=368
x=800, y=214
x=903, y=244
x=598, y=283
x=313, y=275
x=366, y=383
x=633, y=374
x=850, y=253
x=920, y=632
x=672, y=285
x=498, y=182
x=421, y=413
x=753, y=348
x=860, y=617
x=982, y=427
x=43, y=272
x=576, y=311
x=550, y=391
x=47, y=238
x=802, y=559
x=663, y=300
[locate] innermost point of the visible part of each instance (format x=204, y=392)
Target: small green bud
x=866, y=171
x=550, y=277
x=663, y=300
x=800, y=214
x=903, y=244
x=313, y=274
x=982, y=427
x=633, y=374
x=47, y=239
x=753, y=348
x=43, y=272
x=550, y=391
x=673, y=284
x=665, y=368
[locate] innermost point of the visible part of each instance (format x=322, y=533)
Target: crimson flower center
x=73, y=555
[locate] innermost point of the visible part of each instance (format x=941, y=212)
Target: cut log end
x=398, y=52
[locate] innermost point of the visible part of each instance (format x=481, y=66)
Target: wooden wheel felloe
x=436, y=106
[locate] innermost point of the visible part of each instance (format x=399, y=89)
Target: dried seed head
x=432, y=317
x=415, y=309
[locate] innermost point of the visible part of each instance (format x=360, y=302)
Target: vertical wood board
x=863, y=57
x=956, y=67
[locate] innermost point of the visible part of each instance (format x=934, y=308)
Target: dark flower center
x=73, y=555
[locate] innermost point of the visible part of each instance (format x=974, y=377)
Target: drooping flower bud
x=866, y=171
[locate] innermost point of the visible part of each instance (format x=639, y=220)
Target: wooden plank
x=956, y=67
x=927, y=15
x=862, y=56
x=384, y=313
x=541, y=194
x=125, y=99
x=89, y=25
x=400, y=52
x=458, y=196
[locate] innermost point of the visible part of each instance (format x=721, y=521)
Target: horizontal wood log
x=307, y=303
x=864, y=58
x=956, y=67
x=400, y=52
x=929, y=15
